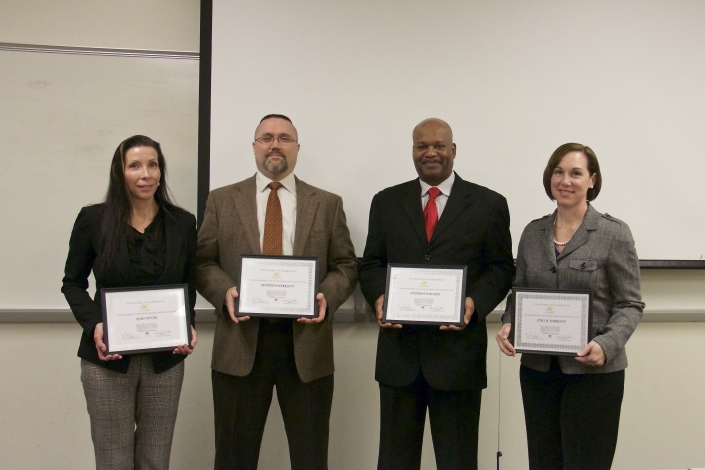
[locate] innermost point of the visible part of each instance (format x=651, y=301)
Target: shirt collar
x=445, y=186
x=289, y=182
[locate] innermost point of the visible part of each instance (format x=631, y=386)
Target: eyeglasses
x=269, y=138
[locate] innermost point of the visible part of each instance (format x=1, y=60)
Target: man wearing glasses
x=273, y=213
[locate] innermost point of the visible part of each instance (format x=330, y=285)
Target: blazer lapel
x=547, y=228
x=457, y=202
x=124, y=266
x=244, y=198
x=173, y=246
x=412, y=204
x=306, y=205
x=580, y=237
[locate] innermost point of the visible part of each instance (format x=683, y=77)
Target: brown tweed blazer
x=230, y=229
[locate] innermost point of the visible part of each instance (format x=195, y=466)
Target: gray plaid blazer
x=600, y=257
x=230, y=229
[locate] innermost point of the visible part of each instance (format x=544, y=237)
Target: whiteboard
x=62, y=118
x=514, y=80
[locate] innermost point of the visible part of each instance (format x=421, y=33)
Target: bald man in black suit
x=420, y=367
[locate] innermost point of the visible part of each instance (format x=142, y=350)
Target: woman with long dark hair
x=572, y=404
x=136, y=238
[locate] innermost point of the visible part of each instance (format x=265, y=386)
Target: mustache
x=274, y=152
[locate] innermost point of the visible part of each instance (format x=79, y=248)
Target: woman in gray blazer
x=572, y=404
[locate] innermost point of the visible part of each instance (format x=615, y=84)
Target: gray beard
x=274, y=169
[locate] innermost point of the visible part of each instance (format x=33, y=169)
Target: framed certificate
x=426, y=295
x=277, y=286
x=555, y=322
x=145, y=319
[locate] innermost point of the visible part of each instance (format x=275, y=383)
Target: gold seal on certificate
x=278, y=286
x=145, y=319
x=551, y=321
x=427, y=295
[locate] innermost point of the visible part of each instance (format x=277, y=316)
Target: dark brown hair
x=592, y=164
x=118, y=208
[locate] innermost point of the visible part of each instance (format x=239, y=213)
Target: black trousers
x=455, y=418
x=241, y=405
x=572, y=420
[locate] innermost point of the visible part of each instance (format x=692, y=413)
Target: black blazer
x=180, y=231
x=473, y=230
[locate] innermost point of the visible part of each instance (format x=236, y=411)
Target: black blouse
x=147, y=251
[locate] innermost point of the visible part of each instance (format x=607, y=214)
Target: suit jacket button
x=553, y=270
x=427, y=257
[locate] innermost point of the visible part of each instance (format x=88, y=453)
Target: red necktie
x=272, y=240
x=430, y=213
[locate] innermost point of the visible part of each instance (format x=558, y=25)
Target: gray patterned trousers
x=132, y=415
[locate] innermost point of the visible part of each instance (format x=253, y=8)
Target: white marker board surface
x=62, y=118
x=514, y=80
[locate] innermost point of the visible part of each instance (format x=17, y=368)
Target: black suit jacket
x=473, y=230
x=180, y=231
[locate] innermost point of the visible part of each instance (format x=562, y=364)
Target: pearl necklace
x=565, y=242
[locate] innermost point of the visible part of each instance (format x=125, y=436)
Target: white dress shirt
x=441, y=199
x=287, y=199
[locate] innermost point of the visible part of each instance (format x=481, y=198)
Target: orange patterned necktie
x=273, y=242
x=430, y=213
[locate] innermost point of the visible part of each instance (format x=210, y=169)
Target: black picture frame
x=589, y=330
x=105, y=292
x=459, y=321
x=313, y=314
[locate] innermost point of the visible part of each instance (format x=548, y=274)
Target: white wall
x=43, y=422
x=171, y=25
